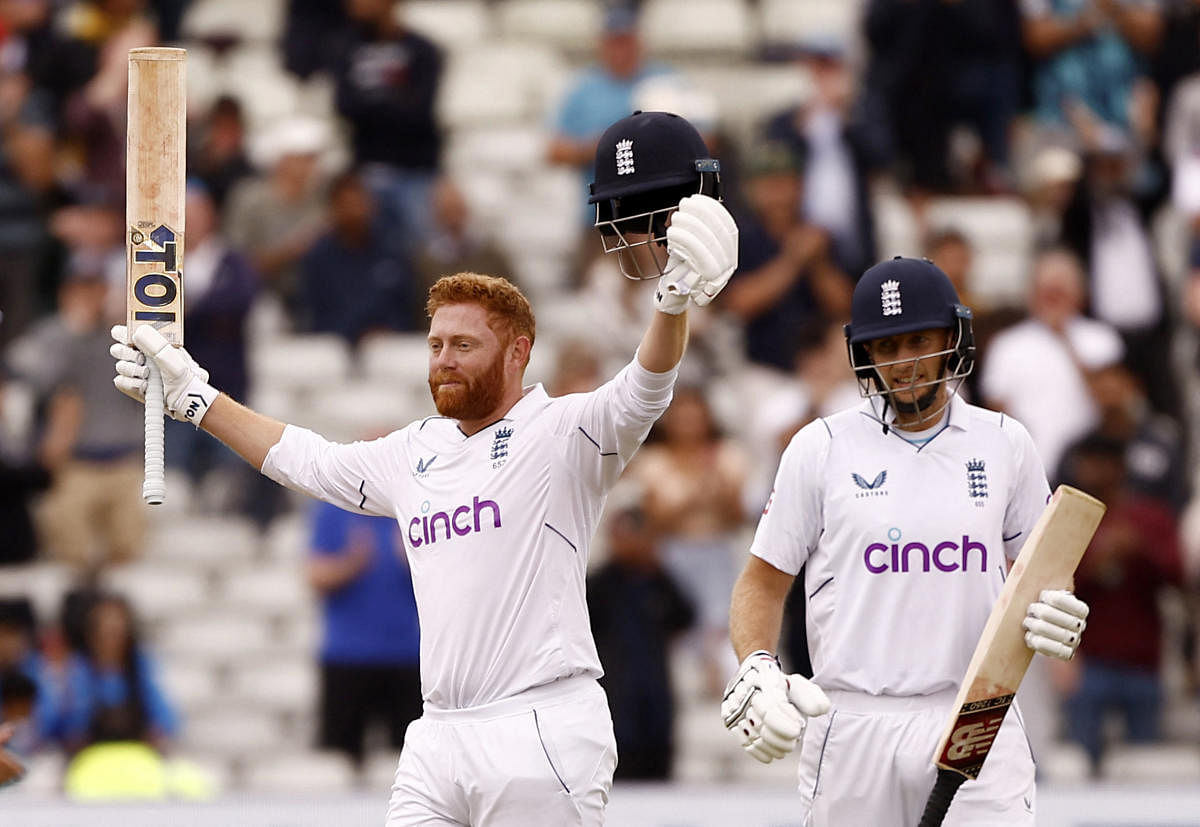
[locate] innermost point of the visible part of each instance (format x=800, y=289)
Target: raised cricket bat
x=154, y=206
x=1047, y=561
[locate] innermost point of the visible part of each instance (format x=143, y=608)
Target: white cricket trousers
x=869, y=761
x=544, y=757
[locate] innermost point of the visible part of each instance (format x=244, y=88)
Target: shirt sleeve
x=352, y=476
x=605, y=427
x=792, y=521
x=1030, y=491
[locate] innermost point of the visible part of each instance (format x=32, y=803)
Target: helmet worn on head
x=903, y=295
x=645, y=164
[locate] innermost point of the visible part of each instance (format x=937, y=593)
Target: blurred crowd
x=1081, y=115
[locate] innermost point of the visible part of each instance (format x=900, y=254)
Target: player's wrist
x=192, y=402
x=669, y=301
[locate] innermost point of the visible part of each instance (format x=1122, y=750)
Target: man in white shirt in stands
x=905, y=512
x=498, y=497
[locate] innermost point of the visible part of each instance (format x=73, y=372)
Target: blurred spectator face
x=832, y=80
x=1057, y=294
x=201, y=216
x=1116, y=389
x=295, y=171
x=1109, y=175
x=688, y=420
x=621, y=53
x=577, y=370
x=82, y=300
x=1098, y=471
x=23, y=15
x=952, y=253
x=775, y=196
x=351, y=207
x=226, y=129
x=369, y=11
x=450, y=208
x=630, y=541
x=14, y=644
x=110, y=631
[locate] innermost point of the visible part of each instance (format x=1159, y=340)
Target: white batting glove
x=702, y=247
x=1054, y=623
x=766, y=710
x=186, y=392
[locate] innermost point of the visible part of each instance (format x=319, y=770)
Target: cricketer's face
x=466, y=363
x=911, y=365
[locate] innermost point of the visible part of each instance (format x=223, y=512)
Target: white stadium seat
x=215, y=637
x=259, y=20
x=499, y=84
x=204, y=541
x=399, y=360
x=746, y=94
x=160, y=591
x=190, y=685
x=1152, y=763
x=361, y=409
x=452, y=24
x=287, y=538
x=43, y=583
x=269, y=590
x=1001, y=234
x=306, y=772
x=299, y=362
x=570, y=25
x=697, y=27
x=284, y=684
x=789, y=22
x=233, y=731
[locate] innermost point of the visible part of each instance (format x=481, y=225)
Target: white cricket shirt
x=496, y=525
x=906, y=547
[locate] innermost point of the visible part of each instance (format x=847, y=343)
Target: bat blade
x=154, y=218
x=1047, y=561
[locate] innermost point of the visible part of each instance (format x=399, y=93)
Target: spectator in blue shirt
x=601, y=95
x=371, y=642
x=21, y=661
x=111, y=692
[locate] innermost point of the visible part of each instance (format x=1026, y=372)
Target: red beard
x=475, y=398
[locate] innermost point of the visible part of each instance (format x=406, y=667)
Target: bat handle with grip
x=947, y=784
x=154, y=484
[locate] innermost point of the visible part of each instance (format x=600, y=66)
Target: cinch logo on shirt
x=429, y=528
x=945, y=556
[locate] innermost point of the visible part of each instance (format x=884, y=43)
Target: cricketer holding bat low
x=499, y=496
x=906, y=512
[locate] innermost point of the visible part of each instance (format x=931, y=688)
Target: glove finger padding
x=1065, y=601
x=716, y=217
x=807, y=697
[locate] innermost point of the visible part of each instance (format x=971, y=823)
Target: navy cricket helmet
x=645, y=164
x=903, y=295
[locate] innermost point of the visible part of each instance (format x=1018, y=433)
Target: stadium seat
x=1152, y=763
x=267, y=590
x=400, y=360
x=452, y=24
x=299, y=362
x=287, y=538
x=570, y=25
x=361, y=409
x=470, y=96
x=159, y=591
x=215, y=637
x=1001, y=234
x=515, y=149
x=789, y=22
x=746, y=94
x=306, y=772
x=1064, y=763
x=233, y=732
x=255, y=75
x=704, y=28
x=204, y=541
x=279, y=684
x=260, y=20
x=43, y=583
x=190, y=685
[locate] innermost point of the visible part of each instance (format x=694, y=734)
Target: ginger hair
x=506, y=305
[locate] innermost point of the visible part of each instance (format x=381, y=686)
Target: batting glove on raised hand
x=702, y=247
x=1054, y=623
x=186, y=392
x=767, y=710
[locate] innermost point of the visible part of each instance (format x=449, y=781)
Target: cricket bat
x=1047, y=561
x=154, y=206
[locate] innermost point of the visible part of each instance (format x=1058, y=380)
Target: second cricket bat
x=1047, y=561
x=154, y=208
